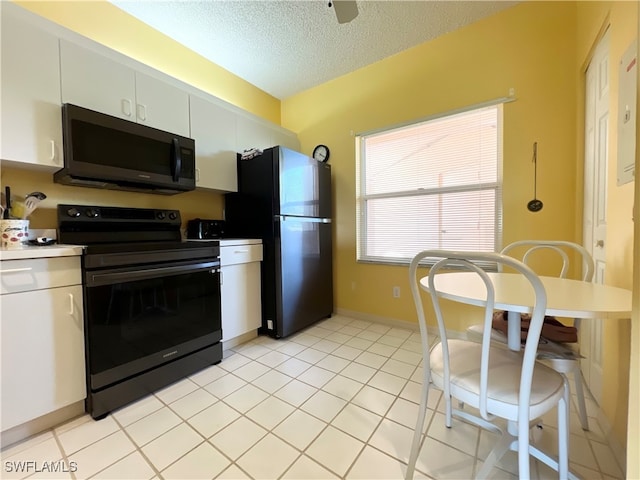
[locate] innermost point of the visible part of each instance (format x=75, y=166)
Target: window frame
x=361, y=199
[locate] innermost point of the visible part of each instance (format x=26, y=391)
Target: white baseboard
x=233, y=342
x=394, y=322
x=367, y=317
x=40, y=424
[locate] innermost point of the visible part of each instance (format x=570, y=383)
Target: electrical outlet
x=396, y=292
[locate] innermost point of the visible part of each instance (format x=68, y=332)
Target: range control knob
x=161, y=215
x=173, y=215
x=73, y=212
x=92, y=213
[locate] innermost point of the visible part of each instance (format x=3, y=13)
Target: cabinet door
x=241, y=301
x=42, y=354
x=214, y=130
x=253, y=134
x=286, y=139
x=160, y=105
x=96, y=82
x=31, y=119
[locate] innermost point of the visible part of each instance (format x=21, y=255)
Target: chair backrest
x=524, y=249
x=448, y=260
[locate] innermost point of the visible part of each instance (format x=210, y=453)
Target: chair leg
x=418, y=432
x=582, y=408
x=563, y=433
x=448, y=411
x=503, y=445
x=524, y=466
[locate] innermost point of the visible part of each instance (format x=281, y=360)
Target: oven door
x=140, y=317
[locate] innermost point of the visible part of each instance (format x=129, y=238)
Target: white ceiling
x=284, y=47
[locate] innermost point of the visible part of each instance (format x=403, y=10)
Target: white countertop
x=71, y=250
x=225, y=242
x=29, y=251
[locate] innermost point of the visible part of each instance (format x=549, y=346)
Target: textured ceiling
x=284, y=47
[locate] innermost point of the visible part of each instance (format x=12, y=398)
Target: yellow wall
x=191, y=204
x=621, y=17
x=472, y=65
x=537, y=48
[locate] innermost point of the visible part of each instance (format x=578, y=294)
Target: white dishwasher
x=241, y=290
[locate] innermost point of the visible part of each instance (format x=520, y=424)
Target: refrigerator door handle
x=282, y=218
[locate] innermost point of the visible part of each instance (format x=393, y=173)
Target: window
x=433, y=184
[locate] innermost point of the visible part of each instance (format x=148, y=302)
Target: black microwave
x=102, y=151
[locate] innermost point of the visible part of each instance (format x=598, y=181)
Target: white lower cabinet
x=240, y=289
x=42, y=336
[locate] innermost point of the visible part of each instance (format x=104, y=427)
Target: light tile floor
x=338, y=400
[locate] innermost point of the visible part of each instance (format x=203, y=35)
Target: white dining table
x=513, y=293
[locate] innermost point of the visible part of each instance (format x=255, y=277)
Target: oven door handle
x=107, y=278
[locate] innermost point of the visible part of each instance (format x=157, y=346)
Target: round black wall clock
x=321, y=153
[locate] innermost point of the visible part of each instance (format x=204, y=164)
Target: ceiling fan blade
x=346, y=10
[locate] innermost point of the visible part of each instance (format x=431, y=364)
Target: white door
x=595, y=200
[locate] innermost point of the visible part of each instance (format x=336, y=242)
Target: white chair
x=499, y=382
x=561, y=357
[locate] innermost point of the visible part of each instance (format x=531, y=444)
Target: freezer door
x=304, y=185
x=305, y=273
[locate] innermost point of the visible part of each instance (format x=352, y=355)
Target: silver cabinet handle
x=599, y=243
x=126, y=107
x=15, y=270
x=241, y=251
x=142, y=112
x=71, y=304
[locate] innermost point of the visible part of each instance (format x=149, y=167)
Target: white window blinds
x=434, y=184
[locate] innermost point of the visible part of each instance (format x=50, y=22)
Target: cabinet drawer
x=235, y=254
x=37, y=274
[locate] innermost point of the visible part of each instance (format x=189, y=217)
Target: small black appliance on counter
x=201, y=229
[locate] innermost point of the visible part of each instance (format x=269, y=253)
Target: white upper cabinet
x=253, y=134
x=30, y=94
x=161, y=105
x=213, y=128
x=286, y=138
x=96, y=82
x=45, y=66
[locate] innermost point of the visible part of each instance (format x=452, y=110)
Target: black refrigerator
x=284, y=198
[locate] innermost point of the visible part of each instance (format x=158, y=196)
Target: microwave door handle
x=177, y=160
